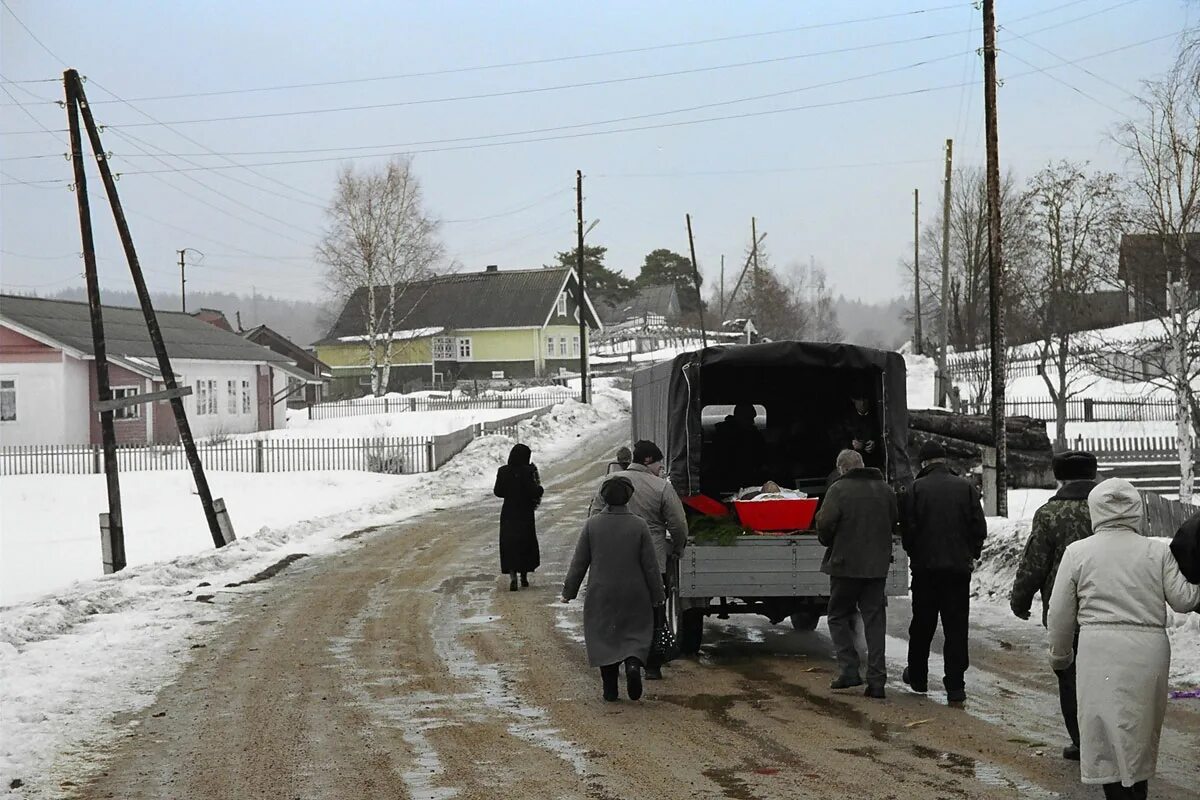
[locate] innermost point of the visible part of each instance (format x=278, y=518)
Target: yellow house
x=495, y=324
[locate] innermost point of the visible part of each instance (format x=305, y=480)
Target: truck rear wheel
x=805, y=620
x=691, y=631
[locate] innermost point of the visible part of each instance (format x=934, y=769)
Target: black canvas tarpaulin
x=668, y=398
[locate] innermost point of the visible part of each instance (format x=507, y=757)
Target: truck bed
x=769, y=566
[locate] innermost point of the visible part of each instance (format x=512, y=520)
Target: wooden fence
x=392, y=405
x=1131, y=448
x=395, y=455
x=1085, y=409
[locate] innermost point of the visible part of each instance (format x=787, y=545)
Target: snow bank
x=71, y=661
x=921, y=372
x=401, y=423
x=1002, y=550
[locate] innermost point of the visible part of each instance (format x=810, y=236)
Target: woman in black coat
x=519, y=485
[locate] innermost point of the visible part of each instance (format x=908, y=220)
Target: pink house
x=48, y=375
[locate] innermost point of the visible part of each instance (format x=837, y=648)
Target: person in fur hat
x=1062, y=520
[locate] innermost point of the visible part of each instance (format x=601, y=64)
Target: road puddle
x=987, y=774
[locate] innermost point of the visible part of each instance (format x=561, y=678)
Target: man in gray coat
x=855, y=522
x=656, y=502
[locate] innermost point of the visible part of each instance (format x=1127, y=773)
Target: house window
x=497, y=374
x=128, y=412
x=562, y=346
x=562, y=305
x=443, y=348
x=8, y=399
x=231, y=399
x=464, y=348
x=550, y=347
x=575, y=346
x=247, y=402
x=206, y=398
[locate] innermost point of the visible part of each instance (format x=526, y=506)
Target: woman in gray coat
x=624, y=588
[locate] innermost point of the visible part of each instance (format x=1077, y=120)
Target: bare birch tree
x=1076, y=227
x=379, y=241
x=1162, y=147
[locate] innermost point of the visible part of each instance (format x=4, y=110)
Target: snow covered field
x=404, y=423
x=70, y=661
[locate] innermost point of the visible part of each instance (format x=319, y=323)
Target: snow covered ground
x=71, y=660
x=402, y=423
x=1002, y=550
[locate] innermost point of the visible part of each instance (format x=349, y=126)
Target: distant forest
x=304, y=322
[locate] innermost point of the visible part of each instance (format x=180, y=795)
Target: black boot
x=633, y=678
x=608, y=676
x=525, y=580
x=512, y=583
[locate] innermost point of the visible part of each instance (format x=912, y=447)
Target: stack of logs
x=963, y=435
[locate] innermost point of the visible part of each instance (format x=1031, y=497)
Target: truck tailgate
x=769, y=566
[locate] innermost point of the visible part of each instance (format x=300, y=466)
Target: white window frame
x=231, y=397
x=561, y=310
x=126, y=412
x=444, y=348
x=562, y=347
x=464, y=348
x=201, y=398
x=15, y=390
x=549, y=347
x=497, y=374
x=247, y=402
x=575, y=346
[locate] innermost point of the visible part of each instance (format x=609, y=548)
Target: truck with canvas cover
x=731, y=419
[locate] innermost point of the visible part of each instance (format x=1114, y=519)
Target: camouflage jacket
x=1062, y=520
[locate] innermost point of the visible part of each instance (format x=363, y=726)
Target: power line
x=1084, y=70
x=35, y=38
x=1070, y=86
x=560, y=59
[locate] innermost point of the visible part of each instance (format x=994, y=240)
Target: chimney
x=493, y=268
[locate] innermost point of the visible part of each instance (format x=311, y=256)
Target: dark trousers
x=866, y=596
x=1115, y=791
x=608, y=676
x=1066, y=696
x=948, y=595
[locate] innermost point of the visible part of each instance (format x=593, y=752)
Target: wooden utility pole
x=721, y=302
x=757, y=276
x=943, y=374
x=115, y=528
x=584, y=394
x=182, y=283
x=917, y=271
x=995, y=260
x=218, y=521
x=696, y=280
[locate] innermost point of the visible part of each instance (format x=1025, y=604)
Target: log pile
x=1029, y=450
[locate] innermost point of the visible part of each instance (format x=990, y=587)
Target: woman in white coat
x=1115, y=586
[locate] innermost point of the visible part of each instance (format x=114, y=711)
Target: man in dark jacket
x=944, y=529
x=856, y=522
x=1065, y=518
x=1186, y=548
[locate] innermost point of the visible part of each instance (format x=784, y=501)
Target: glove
x=1022, y=613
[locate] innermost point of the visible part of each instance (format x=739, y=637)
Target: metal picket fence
x=1085, y=409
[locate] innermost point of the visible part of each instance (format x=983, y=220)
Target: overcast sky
x=863, y=96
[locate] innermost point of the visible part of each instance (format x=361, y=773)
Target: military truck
x=803, y=395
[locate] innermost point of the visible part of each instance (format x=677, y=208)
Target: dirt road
x=405, y=668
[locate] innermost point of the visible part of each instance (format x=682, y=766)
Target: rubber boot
x=512, y=583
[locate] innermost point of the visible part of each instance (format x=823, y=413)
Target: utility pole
x=696, y=280
x=995, y=260
x=943, y=374
x=584, y=394
x=721, y=309
x=182, y=283
x=917, y=271
x=218, y=520
x=757, y=275
x=115, y=539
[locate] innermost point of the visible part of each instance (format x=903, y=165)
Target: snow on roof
x=397, y=336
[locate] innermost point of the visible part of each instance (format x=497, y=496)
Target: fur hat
x=931, y=451
x=617, y=490
x=1074, y=465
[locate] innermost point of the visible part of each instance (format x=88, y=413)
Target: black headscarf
x=617, y=490
x=519, y=456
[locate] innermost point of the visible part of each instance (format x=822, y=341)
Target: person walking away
x=1064, y=519
x=943, y=533
x=624, y=588
x=1114, y=587
x=1185, y=546
x=658, y=504
x=518, y=483
x=855, y=522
